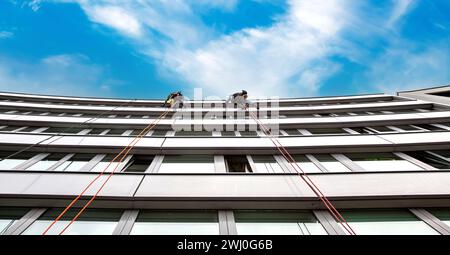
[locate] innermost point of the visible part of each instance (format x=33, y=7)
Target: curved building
x=382, y=160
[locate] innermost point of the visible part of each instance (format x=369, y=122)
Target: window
x=382, y=129
x=381, y=162
x=11, y=128
x=330, y=163
x=443, y=214
x=9, y=215
x=96, y=131
x=116, y=131
x=430, y=127
x=237, y=164
x=305, y=164
x=176, y=223
x=327, y=131
x=193, y=133
x=362, y=130
x=47, y=162
x=105, y=165
x=248, y=133
x=292, y=132
x=138, y=164
x=430, y=159
x=441, y=153
x=271, y=222
x=63, y=130
x=409, y=128
x=187, y=164
x=75, y=163
x=159, y=133
x=13, y=160
x=228, y=133
x=266, y=164
x=385, y=222
x=91, y=222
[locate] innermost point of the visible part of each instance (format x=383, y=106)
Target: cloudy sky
x=287, y=48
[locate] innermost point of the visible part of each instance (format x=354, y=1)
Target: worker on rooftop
x=174, y=100
x=240, y=98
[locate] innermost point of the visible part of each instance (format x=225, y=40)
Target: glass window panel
x=442, y=153
x=105, y=165
x=292, y=132
x=228, y=133
x=176, y=223
x=75, y=163
x=159, y=133
x=63, y=130
x=248, y=133
x=116, y=131
x=11, y=128
x=330, y=163
x=193, y=133
x=430, y=159
x=305, y=164
x=91, y=222
x=237, y=164
x=9, y=215
x=326, y=131
x=266, y=164
x=386, y=222
x=382, y=129
x=13, y=161
x=96, y=131
x=442, y=214
x=271, y=222
x=187, y=164
x=408, y=128
x=47, y=162
x=381, y=162
x=430, y=127
x=139, y=163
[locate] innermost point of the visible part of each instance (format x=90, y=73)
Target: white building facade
x=382, y=160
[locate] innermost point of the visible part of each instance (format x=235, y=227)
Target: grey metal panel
x=26, y=221
x=231, y=223
x=328, y=222
x=317, y=163
x=126, y=222
x=61, y=184
x=16, y=183
x=432, y=221
x=332, y=185
x=251, y=163
x=223, y=226
x=284, y=164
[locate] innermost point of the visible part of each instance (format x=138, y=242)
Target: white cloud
x=401, y=8
x=116, y=18
x=6, y=34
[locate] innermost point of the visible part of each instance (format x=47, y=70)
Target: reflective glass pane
x=381, y=162
x=271, y=222
x=187, y=164
x=9, y=215
x=266, y=164
x=386, y=222
x=91, y=222
x=176, y=223
x=442, y=214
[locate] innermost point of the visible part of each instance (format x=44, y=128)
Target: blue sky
x=287, y=48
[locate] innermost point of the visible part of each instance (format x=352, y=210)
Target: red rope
x=304, y=176
x=127, y=149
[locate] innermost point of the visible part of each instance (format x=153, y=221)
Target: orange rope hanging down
x=303, y=175
x=125, y=152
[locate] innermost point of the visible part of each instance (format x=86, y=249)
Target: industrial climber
x=239, y=98
x=174, y=100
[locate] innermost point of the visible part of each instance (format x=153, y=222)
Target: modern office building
x=382, y=160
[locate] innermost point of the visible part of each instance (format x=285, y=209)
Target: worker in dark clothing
x=240, y=98
x=174, y=100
